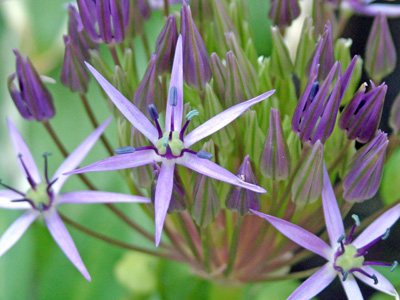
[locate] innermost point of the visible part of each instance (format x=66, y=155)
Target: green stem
x=114, y=54
x=166, y=8
x=188, y=236
x=234, y=245
x=206, y=248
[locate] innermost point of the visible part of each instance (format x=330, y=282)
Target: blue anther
x=191, y=114
x=153, y=112
x=356, y=219
x=173, y=96
x=46, y=154
x=40, y=206
x=345, y=275
x=314, y=90
x=341, y=238
x=125, y=150
x=165, y=141
x=204, y=154
x=386, y=234
x=375, y=279
x=394, y=266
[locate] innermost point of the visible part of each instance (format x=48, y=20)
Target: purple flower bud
x=149, y=89
x=315, y=115
x=74, y=73
x=239, y=199
x=105, y=20
x=365, y=172
x=394, y=119
x=33, y=100
x=361, y=116
x=77, y=33
x=219, y=75
x=323, y=55
x=283, y=12
x=307, y=183
x=275, y=160
x=380, y=56
x=196, y=62
x=236, y=87
x=165, y=46
x=144, y=8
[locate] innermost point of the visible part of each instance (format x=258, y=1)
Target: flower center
x=349, y=260
x=39, y=197
x=172, y=140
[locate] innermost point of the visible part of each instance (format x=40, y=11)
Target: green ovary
x=175, y=144
x=347, y=261
x=39, y=195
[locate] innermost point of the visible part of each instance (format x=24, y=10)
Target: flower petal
x=222, y=119
x=298, y=235
x=7, y=196
x=76, y=157
x=333, y=219
x=20, y=148
x=163, y=195
x=118, y=162
x=378, y=227
x=63, y=239
x=177, y=82
x=16, y=230
x=130, y=111
x=383, y=284
x=211, y=169
x=98, y=197
x=389, y=10
x=351, y=288
x=315, y=284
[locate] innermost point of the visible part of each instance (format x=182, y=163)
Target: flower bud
x=380, y=56
x=236, y=88
x=33, y=100
x=363, y=178
x=394, y=119
x=307, y=183
x=149, y=89
x=240, y=199
x=105, y=20
x=165, y=46
x=283, y=12
x=275, y=159
x=305, y=47
x=281, y=63
x=219, y=75
x=361, y=116
x=74, y=73
x=196, y=62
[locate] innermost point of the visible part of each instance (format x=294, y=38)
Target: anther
x=356, y=219
x=125, y=150
x=173, y=96
x=394, y=266
x=374, y=278
x=204, y=154
x=345, y=274
x=314, y=90
x=153, y=112
x=386, y=234
x=40, y=206
x=191, y=114
x=341, y=238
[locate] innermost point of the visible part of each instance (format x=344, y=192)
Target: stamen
x=377, y=263
x=386, y=234
x=204, y=155
x=356, y=223
x=165, y=141
x=373, y=277
x=28, y=176
x=394, y=266
x=50, y=185
x=125, y=150
x=11, y=189
x=173, y=101
x=340, y=241
x=46, y=175
x=154, y=116
x=314, y=90
x=362, y=251
x=345, y=274
x=189, y=116
x=40, y=206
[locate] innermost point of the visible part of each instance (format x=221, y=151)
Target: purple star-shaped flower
x=171, y=146
x=43, y=196
x=345, y=256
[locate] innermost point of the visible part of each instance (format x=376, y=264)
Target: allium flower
x=368, y=8
x=43, y=196
x=171, y=146
x=345, y=256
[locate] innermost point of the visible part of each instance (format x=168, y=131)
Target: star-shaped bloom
x=345, y=256
x=43, y=196
x=170, y=147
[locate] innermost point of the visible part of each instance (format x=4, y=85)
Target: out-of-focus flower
x=380, y=53
x=33, y=100
x=369, y=8
x=171, y=146
x=365, y=172
x=275, y=160
x=283, y=12
x=346, y=257
x=105, y=20
x=196, y=62
x=165, y=46
x=43, y=196
x=361, y=116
